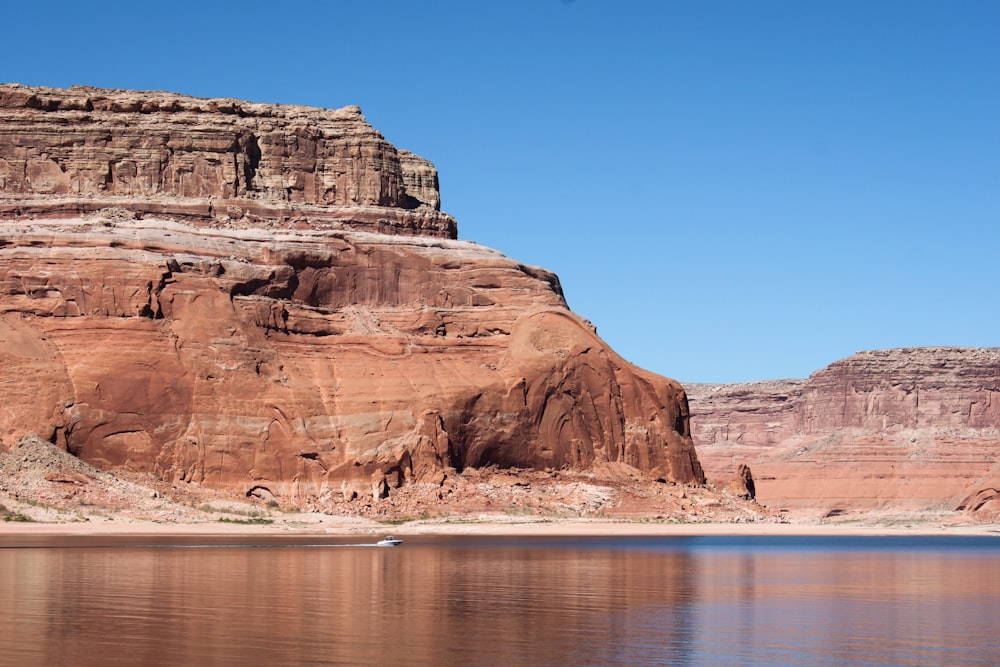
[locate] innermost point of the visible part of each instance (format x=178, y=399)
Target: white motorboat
x=388, y=541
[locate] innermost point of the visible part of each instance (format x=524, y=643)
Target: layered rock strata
x=285, y=350
x=915, y=428
x=219, y=161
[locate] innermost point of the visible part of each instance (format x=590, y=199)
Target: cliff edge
x=267, y=300
x=210, y=161
x=909, y=429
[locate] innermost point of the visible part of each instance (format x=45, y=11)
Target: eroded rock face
x=911, y=428
x=308, y=360
x=65, y=152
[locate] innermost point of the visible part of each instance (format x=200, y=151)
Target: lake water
x=501, y=601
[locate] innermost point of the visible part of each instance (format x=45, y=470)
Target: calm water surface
x=491, y=601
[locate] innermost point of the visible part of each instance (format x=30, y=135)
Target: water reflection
x=496, y=602
x=554, y=606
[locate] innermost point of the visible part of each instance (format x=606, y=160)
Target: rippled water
x=491, y=601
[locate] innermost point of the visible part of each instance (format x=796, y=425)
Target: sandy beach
x=488, y=525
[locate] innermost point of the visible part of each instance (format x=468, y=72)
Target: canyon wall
x=268, y=300
x=915, y=428
x=77, y=151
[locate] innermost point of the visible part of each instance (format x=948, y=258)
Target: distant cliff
x=267, y=300
x=912, y=428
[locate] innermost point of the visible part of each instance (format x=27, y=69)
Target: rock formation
x=908, y=428
x=77, y=151
x=743, y=485
x=268, y=300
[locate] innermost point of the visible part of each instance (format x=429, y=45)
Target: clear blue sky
x=729, y=191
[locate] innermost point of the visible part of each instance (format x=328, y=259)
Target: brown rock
x=743, y=485
x=266, y=342
x=347, y=491
x=77, y=151
x=985, y=499
x=380, y=488
x=906, y=429
x=67, y=477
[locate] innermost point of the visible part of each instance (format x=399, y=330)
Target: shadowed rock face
x=229, y=329
x=915, y=428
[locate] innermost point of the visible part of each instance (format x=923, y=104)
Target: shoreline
x=498, y=525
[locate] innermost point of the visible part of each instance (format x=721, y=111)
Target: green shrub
x=255, y=521
x=9, y=515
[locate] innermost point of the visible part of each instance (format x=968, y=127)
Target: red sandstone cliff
x=268, y=300
x=908, y=429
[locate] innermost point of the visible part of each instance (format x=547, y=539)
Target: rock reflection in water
x=421, y=604
x=495, y=602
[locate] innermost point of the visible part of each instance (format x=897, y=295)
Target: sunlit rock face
x=912, y=428
x=80, y=150
x=268, y=300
